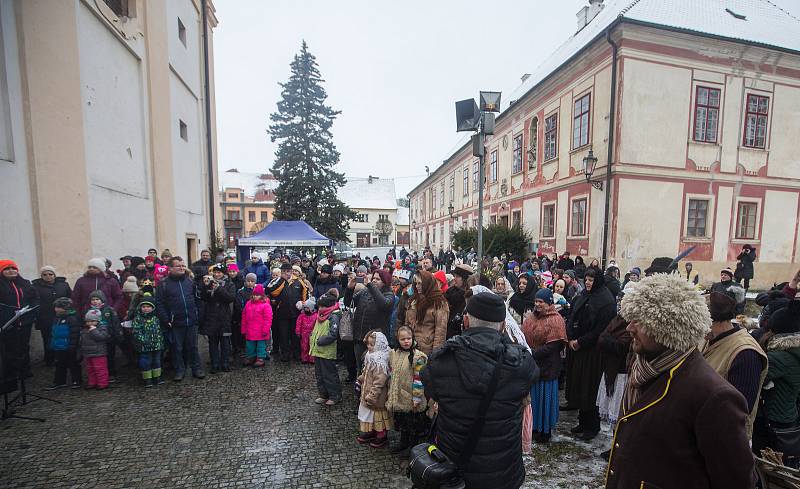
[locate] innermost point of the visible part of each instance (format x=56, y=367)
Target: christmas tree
x=306, y=155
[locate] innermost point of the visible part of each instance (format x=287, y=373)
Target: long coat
x=48, y=293
x=431, y=332
x=217, y=306
x=373, y=309
x=744, y=268
x=686, y=431
x=106, y=284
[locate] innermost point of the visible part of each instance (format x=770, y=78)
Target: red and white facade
x=704, y=151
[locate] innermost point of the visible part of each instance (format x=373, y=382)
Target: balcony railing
x=233, y=223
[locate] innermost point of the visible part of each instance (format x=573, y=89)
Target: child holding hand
x=304, y=327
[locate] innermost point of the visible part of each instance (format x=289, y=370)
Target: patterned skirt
x=374, y=419
x=544, y=405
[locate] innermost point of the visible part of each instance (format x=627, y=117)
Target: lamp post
x=589, y=165
x=470, y=117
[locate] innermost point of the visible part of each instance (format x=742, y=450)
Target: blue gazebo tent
x=281, y=234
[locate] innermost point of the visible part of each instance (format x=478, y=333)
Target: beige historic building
x=247, y=202
x=104, y=147
x=703, y=138
x=374, y=201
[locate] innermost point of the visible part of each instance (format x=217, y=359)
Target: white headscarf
x=512, y=328
x=378, y=358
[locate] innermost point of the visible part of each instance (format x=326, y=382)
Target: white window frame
x=710, y=217
x=753, y=200
x=585, y=216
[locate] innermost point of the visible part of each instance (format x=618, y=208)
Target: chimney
x=525, y=77
x=588, y=13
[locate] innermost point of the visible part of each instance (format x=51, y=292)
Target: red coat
x=257, y=320
x=305, y=324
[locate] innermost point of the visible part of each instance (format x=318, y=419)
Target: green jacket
x=323, y=338
x=780, y=402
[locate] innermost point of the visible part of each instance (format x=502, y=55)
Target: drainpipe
x=209, y=145
x=610, y=155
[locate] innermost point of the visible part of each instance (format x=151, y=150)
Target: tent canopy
x=286, y=234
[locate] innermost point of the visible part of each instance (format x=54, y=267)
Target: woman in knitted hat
x=49, y=287
x=15, y=294
x=545, y=332
x=95, y=278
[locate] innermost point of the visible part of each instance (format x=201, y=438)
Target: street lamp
x=470, y=117
x=589, y=165
x=450, y=209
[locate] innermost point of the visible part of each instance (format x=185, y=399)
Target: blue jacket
x=262, y=271
x=176, y=302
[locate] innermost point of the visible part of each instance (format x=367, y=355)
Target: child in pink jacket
x=257, y=327
x=304, y=327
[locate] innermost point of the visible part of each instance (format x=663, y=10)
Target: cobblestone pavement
x=247, y=428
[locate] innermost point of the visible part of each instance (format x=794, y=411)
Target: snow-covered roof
x=247, y=181
x=764, y=23
x=402, y=216
x=369, y=193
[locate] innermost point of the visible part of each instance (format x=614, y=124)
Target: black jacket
x=14, y=295
x=200, y=268
x=565, y=264
x=176, y=302
x=591, y=313
x=47, y=294
x=457, y=377
x=373, y=309
x=217, y=303
x=323, y=286
x=613, y=285
x=744, y=269
x=457, y=303
x=284, y=296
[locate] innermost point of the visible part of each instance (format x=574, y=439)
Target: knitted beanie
x=93, y=315
x=98, y=263
x=130, y=285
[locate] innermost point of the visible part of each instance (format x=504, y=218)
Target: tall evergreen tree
x=306, y=155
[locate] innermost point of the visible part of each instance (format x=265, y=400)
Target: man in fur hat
x=681, y=424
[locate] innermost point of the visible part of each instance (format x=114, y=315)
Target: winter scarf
x=378, y=358
x=428, y=295
x=522, y=301
x=325, y=312
x=643, y=371
x=545, y=327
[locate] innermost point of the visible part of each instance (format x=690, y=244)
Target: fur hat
x=130, y=285
x=98, y=263
x=669, y=310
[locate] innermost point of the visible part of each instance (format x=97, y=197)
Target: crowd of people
x=690, y=387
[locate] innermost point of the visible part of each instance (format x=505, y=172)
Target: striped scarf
x=643, y=371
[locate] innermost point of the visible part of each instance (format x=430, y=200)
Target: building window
x=706, y=114
x=516, y=165
x=549, y=220
x=493, y=167
x=475, y=177
x=181, y=32
x=119, y=7
x=516, y=218
x=433, y=199
x=361, y=218
x=755, y=128
x=697, y=218
x=264, y=217
x=383, y=217
x=184, y=130
x=746, y=220
x=551, y=137
x=233, y=215
x=466, y=181
x=534, y=139
x=578, y=218
x=251, y=216
x=233, y=196
x=580, y=121
x=452, y=188
x=441, y=194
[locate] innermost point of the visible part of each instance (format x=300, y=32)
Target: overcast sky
x=394, y=69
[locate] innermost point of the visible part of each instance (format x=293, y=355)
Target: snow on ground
x=567, y=462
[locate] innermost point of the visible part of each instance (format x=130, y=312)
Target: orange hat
x=442, y=278
x=7, y=264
